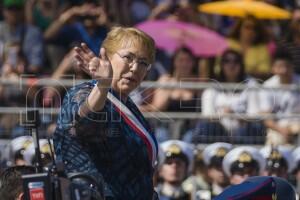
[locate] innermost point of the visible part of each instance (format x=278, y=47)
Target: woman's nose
x=134, y=66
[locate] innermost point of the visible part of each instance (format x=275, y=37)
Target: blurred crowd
x=37, y=38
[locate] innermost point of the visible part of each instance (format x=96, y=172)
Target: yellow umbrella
x=242, y=8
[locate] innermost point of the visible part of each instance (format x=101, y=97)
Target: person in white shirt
x=220, y=101
x=281, y=102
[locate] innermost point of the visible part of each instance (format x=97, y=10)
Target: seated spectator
x=174, y=169
x=183, y=68
x=13, y=67
x=281, y=102
x=11, y=187
x=86, y=23
x=249, y=38
x=279, y=161
x=220, y=101
x=14, y=31
x=181, y=10
x=243, y=162
x=22, y=52
x=41, y=13
x=13, y=61
x=291, y=41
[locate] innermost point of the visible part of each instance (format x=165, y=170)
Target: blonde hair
x=120, y=37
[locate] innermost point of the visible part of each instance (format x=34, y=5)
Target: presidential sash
x=137, y=126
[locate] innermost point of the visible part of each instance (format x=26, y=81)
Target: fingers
x=86, y=59
x=94, y=64
x=79, y=58
x=80, y=53
x=84, y=52
x=103, y=55
x=87, y=51
x=81, y=63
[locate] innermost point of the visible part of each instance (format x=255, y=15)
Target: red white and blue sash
x=137, y=126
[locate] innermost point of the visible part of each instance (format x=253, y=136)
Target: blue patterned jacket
x=104, y=146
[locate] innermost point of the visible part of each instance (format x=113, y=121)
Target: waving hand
x=97, y=67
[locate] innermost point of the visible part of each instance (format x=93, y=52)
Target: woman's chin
x=126, y=88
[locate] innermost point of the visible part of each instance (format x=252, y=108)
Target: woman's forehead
x=135, y=48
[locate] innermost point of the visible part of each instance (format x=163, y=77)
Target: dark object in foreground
x=260, y=188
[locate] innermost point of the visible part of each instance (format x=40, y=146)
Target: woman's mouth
x=129, y=79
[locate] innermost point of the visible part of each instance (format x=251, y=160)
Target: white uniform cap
x=22, y=142
x=286, y=153
x=214, y=150
x=29, y=153
x=235, y=153
x=181, y=147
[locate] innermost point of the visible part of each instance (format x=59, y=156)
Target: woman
x=100, y=130
x=219, y=101
x=249, y=37
x=183, y=68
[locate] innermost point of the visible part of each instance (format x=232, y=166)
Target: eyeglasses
x=131, y=59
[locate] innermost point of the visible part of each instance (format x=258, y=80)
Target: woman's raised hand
x=97, y=67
